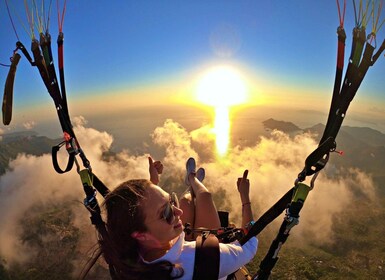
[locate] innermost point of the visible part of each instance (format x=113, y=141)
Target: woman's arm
x=233, y=255
x=243, y=185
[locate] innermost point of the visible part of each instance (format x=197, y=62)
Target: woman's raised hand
x=155, y=168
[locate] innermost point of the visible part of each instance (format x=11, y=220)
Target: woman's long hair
x=119, y=248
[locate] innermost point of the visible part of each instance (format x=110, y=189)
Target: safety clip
x=292, y=221
x=89, y=201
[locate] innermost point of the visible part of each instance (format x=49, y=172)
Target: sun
x=222, y=87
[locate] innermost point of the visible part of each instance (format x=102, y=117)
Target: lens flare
x=222, y=87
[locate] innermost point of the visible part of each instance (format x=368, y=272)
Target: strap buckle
x=89, y=201
x=71, y=143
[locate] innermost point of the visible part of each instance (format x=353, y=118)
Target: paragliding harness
x=207, y=257
x=206, y=264
x=43, y=60
x=292, y=202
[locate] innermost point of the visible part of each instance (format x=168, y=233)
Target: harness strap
x=90, y=202
x=8, y=90
x=269, y=216
x=99, y=185
x=337, y=81
x=291, y=219
x=378, y=53
x=206, y=257
x=60, y=46
x=20, y=46
x=55, y=163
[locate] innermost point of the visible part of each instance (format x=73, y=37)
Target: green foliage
x=356, y=250
x=49, y=232
x=3, y=272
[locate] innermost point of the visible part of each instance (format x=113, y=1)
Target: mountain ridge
x=364, y=147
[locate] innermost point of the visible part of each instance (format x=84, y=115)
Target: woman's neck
x=150, y=251
x=153, y=254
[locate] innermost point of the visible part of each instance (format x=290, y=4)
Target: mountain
x=366, y=134
x=362, y=147
x=363, y=135
x=23, y=142
x=286, y=127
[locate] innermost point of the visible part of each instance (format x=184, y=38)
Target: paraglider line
x=61, y=20
x=13, y=25
x=342, y=18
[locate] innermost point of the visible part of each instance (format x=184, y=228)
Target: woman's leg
x=206, y=214
x=186, y=203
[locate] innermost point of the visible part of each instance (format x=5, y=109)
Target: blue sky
x=121, y=46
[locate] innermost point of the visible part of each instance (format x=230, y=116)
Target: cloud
x=273, y=163
x=29, y=125
x=177, y=143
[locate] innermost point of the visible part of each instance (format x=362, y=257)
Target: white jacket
x=232, y=256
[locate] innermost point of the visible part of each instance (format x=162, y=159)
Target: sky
x=124, y=54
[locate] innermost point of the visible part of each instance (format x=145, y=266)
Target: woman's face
x=156, y=205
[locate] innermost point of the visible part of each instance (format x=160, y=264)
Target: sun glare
x=222, y=87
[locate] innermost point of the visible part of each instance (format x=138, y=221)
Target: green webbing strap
x=359, y=38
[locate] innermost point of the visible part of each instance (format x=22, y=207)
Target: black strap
x=269, y=216
x=100, y=186
x=337, y=81
x=20, y=46
x=55, y=163
x=271, y=257
x=206, y=257
x=378, y=53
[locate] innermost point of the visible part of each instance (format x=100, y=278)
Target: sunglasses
x=168, y=213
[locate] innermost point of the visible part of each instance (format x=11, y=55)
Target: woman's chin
x=178, y=227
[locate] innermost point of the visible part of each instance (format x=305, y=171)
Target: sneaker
x=190, y=168
x=201, y=174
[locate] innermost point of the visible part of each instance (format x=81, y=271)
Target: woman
x=144, y=236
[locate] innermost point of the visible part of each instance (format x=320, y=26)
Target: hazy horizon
x=131, y=129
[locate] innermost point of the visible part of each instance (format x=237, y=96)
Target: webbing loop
x=70, y=163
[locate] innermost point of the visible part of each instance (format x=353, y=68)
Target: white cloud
x=29, y=125
x=273, y=164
